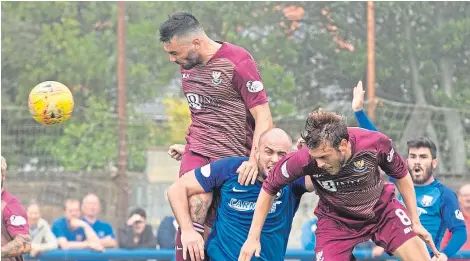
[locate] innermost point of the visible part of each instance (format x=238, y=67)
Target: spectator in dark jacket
x=137, y=233
x=166, y=233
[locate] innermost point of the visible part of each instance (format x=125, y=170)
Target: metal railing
x=125, y=254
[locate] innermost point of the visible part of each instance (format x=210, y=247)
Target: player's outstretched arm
x=252, y=244
x=454, y=221
x=248, y=171
x=357, y=107
x=407, y=191
x=178, y=195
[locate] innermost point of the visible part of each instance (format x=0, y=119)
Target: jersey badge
x=426, y=200
x=360, y=166
x=216, y=78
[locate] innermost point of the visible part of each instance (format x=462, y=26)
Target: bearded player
x=355, y=205
x=228, y=105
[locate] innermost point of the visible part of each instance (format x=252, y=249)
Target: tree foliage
x=310, y=54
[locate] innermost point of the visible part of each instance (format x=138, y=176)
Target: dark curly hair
x=423, y=142
x=178, y=24
x=324, y=126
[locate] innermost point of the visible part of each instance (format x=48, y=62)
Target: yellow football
x=50, y=103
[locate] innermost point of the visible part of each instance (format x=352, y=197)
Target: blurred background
x=310, y=55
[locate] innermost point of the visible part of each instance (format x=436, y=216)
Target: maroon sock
x=179, y=247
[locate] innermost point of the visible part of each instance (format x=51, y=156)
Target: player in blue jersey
x=237, y=203
x=438, y=206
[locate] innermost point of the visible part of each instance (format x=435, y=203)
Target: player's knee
x=414, y=249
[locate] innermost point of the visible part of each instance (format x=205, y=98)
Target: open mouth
x=417, y=170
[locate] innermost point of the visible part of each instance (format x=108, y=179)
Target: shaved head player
x=355, y=204
x=228, y=105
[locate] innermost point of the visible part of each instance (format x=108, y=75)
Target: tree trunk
x=452, y=121
x=420, y=116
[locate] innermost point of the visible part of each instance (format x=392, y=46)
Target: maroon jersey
x=356, y=193
x=14, y=220
x=220, y=95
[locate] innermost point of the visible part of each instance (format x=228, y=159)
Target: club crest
x=216, y=77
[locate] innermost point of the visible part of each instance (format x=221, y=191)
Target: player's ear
x=434, y=163
x=343, y=146
x=196, y=43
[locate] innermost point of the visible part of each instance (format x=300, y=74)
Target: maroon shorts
x=190, y=161
x=336, y=241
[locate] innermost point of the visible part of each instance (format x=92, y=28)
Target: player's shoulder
x=11, y=202
x=232, y=161
x=445, y=191
x=364, y=139
x=236, y=54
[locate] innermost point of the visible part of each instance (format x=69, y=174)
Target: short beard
x=193, y=59
x=426, y=178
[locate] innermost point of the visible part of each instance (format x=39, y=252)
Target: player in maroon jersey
x=228, y=104
x=16, y=240
x=355, y=204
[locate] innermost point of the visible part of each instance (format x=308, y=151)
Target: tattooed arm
x=187, y=202
x=20, y=245
x=199, y=204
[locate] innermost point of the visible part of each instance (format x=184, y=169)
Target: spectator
x=166, y=233
x=74, y=233
x=91, y=208
x=136, y=233
x=464, y=203
x=42, y=237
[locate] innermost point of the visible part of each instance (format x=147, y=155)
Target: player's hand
x=300, y=143
x=176, y=151
x=358, y=97
x=426, y=237
x=377, y=251
x=133, y=219
x=193, y=243
x=251, y=246
x=248, y=172
x=442, y=257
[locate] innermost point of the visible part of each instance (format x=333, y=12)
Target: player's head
x=72, y=209
x=139, y=224
x=182, y=36
x=422, y=153
x=4, y=169
x=327, y=138
x=272, y=146
x=34, y=214
x=91, y=206
x=464, y=198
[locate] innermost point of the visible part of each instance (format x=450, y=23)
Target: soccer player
x=355, y=205
x=235, y=211
x=438, y=206
x=16, y=240
x=228, y=103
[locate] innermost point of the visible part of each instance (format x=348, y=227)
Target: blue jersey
x=438, y=210
x=236, y=209
x=60, y=228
